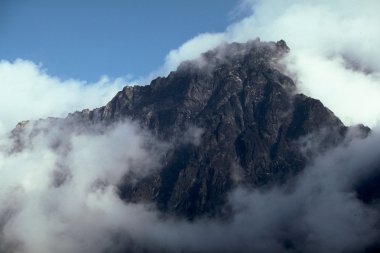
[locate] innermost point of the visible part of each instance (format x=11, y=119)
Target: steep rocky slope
x=233, y=118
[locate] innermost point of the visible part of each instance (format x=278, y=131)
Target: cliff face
x=234, y=119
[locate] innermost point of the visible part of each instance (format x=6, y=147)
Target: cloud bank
x=60, y=194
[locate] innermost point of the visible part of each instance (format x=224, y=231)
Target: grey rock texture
x=234, y=119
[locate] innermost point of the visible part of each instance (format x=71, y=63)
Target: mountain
x=224, y=154
x=234, y=119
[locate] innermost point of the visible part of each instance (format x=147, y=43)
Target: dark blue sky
x=88, y=38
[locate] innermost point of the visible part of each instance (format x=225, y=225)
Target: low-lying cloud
x=59, y=194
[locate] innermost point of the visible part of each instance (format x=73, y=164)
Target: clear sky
x=88, y=38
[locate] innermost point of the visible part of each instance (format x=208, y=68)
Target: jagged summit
x=228, y=61
x=238, y=53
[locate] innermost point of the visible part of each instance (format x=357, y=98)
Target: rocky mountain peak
x=243, y=112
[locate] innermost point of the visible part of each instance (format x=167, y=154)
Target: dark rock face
x=246, y=114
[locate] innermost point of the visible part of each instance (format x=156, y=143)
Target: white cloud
x=353, y=96
x=64, y=197
x=28, y=93
x=192, y=49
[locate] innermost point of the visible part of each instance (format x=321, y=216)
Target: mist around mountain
x=222, y=155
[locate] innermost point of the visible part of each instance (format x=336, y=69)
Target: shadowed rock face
x=234, y=119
